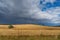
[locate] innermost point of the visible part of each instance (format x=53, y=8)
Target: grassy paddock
x=41, y=37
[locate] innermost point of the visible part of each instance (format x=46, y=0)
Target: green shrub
x=10, y=26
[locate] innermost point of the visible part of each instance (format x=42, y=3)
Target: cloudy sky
x=44, y=12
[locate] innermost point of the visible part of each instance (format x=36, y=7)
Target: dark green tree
x=10, y=26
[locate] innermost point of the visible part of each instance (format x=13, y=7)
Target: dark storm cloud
x=12, y=11
x=15, y=8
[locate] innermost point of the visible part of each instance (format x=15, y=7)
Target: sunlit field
x=29, y=32
x=26, y=37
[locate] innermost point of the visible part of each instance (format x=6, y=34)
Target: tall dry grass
x=29, y=32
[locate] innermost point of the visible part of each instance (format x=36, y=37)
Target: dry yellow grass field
x=29, y=29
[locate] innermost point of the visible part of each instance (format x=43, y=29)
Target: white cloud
x=50, y=1
x=50, y=14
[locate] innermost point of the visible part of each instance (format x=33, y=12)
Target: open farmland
x=29, y=29
x=29, y=32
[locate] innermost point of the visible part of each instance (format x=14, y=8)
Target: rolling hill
x=29, y=29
